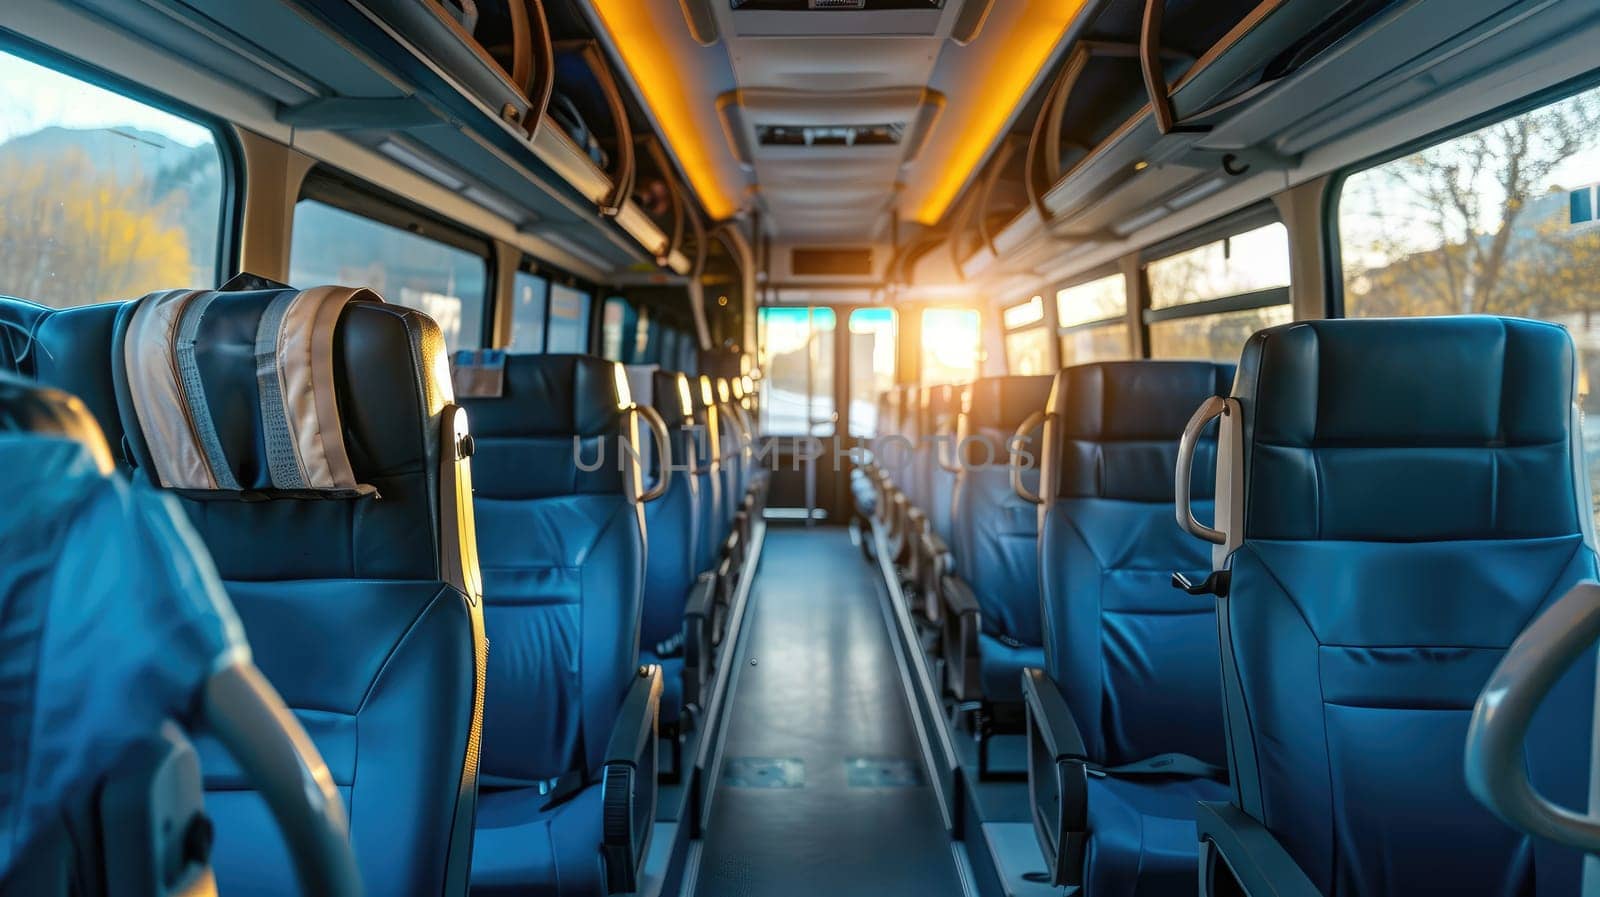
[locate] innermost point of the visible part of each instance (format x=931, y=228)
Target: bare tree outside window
x=1484, y=224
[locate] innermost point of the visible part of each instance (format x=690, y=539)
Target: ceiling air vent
x=830, y=135
x=804, y=5
x=830, y=262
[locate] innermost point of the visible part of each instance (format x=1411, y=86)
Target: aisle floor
x=822, y=789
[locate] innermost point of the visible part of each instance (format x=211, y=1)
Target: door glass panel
x=872, y=366
x=949, y=346
x=797, y=356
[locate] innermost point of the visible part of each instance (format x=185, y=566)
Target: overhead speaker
x=701, y=20
x=969, y=22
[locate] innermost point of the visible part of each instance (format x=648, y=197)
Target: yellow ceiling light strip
x=644, y=45
x=1013, y=57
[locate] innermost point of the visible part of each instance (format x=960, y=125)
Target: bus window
x=1499, y=221
x=101, y=196
x=530, y=293
x=569, y=319
x=615, y=318
x=1027, y=343
x=872, y=366
x=1093, y=318
x=1205, y=302
x=949, y=346
x=448, y=283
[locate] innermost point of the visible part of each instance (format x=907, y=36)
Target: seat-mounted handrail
x=1496, y=768
x=1013, y=456
x=1212, y=409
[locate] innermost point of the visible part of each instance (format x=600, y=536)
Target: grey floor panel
x=823, y=703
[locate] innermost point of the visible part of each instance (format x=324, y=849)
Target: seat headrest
x=942, y=401
x=279, y=391
x=672, y=397
x=29, y=408
x=1410, y=430
x=1001, y=404
x=555, y=412
x=1117, y=426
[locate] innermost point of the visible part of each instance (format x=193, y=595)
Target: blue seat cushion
x=524, y=850
x=1142, y=840
x=1003, y=664
x=671, y=684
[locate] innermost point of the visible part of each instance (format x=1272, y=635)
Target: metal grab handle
x=1210, y=410
x=1497, y=773
x=658, y=430
x=1028, y=425
x=277, y=756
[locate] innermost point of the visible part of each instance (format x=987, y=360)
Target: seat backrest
x=1135, y=658
x=561, y=542
x=672, y=521
x=1413, y=495
x=707, y=435
x=911, y=417
x=69, y=349
x=943, y=405
x=112, y=625
x=355, y=576
x=996, y=531
x=736, y=451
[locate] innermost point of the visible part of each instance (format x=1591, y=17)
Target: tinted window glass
x=569, y=320
x=949, y=346
x=1028, y=351
x=1213, y=337
x=101, y=197
x=1243, y=263
x=1498, y=221
x=1106, y=297
x=1108, y=342
x=529, y=293
x=333, y=246
x=613, y=320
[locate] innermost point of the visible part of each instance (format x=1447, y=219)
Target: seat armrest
x=1058, y=778
x=1233, y=843
x=699, y=617
x=962, y=622
x=628, y=783
x=937, y=563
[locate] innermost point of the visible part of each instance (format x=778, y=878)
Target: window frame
x=1332, y=251
x=225, y=137
x=1252, y=218
x=331, y=187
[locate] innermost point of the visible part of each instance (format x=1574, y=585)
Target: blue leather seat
x=672, y=527
x=992, y=622
x=735, y=453
x=1412, y=495
x=943, y=404
x=350, y=603
x=1132, y=660
x=708, y=455
x=563, y=553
